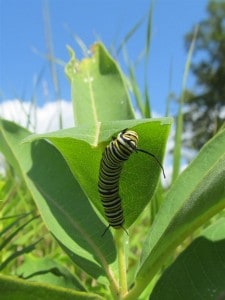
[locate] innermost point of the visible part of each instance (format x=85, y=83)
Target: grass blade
x=179, y=124
x=17, y=253
x=129, y=35
x=147, y=52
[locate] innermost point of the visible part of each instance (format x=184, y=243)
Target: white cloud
x=38, y=119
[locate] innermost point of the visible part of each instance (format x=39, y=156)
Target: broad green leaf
x=98, y=90
x=199, y=271
x=61, y=202
x=12, y=288
x=82, y=149
x=197, y=195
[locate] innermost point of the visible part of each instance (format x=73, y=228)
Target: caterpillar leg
x=110, y=226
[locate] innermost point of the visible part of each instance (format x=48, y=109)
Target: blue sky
x=23, y=46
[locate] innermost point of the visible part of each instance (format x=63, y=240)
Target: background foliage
x=205, y=113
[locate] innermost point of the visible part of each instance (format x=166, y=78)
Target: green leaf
x=198, y=273
x=61, y=202
x=12, y=288
x=47, y=270
x=82, y=149
x=15, y=134
x=199, y=270
x=98, y=89
x=215, y=231
x=135, y=89
x=194, y=198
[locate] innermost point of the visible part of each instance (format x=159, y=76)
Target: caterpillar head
x=129, y=137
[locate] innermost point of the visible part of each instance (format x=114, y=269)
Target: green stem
x=120, y=246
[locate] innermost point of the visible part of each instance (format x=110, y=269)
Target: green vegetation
x=205, y=113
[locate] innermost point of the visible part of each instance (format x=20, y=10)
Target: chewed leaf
x=102, y=95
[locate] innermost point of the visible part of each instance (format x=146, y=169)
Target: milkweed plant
x=167, y=243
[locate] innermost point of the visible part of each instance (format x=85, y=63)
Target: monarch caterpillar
x=115, y=154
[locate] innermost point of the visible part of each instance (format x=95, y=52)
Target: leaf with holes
x=99, y=93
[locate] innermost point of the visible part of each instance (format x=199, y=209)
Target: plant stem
x=120, y=246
